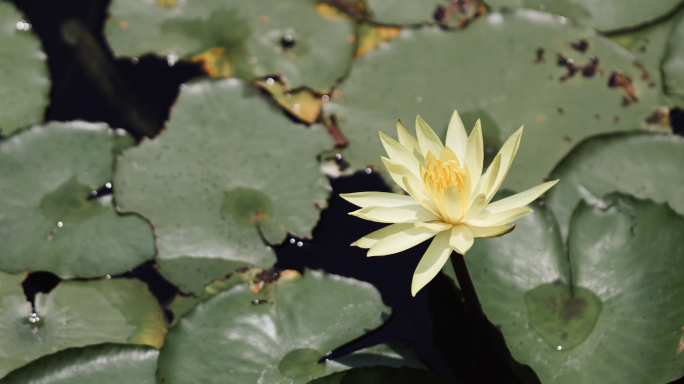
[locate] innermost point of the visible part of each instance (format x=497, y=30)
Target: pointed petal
x=453, y=203
x=435, y=226
x=378, y=199
x=409, y=214
x=521, y=199
x=432, y=261
x=475, y=208
x=372, y=238
x=489, y=232
x=474, y=156
x=507, y=152
x=427, y=138
x=456, y=138
x=398, y=172
x=489, y=178
x=406, y=138
x=447, y=154
x=400, y=154
x=498, y=218
x=400, y=241
x=461, y=239
x=423, y=199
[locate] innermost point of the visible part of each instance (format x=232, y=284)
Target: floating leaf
x=303, y=104
x=626, y=256
x=644, y=165
x=604, y=15
x=673, y=62
x=497, y=76
x=383, y=375
x=24, y=78
x=220, y=140
x=277, y=336
x=237, y=38
x=48, y=223
x=370, y=36
x=443, y=12
x=102, y=364
x=75, y=314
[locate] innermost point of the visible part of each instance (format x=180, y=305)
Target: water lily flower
x=448, y=195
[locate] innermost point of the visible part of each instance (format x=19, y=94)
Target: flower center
x=440, y=174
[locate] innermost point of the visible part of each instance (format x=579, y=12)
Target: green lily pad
x=221, y=140
x=75, y=314
x=383, y=374
x=406, y=12
x=105, y=364
x=24, y=77
x=673, y=62
x=642, y=164
x=237, y=38
x=47, y=174
x=498, y=78
x=604, y=15
x=276, y=336
x=626, y=256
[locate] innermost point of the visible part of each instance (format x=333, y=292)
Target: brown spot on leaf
x=458, y=13
x=588, y=70
x=214, y=62
x=645, y=76
x=539, y=58
x=371, y=36
x=623, y=81
x=560, y=110
x=681, y=343
x=581, y=45
x=541, y=118
x=332, y=126
x=303, y=104
x=616, y=119
x=659, y=116
x=123, y=24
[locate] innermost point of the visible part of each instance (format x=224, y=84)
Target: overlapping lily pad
x=227, y=165
x=24, y=78
x=47, y=174
x=673, y=62
x=237, y=38
x=503, y=70
x=75, y=314
x=644, y=165
x=382, y=375
x=623, y=324
x=604, y=15
x=276, y=336
x=103, y=364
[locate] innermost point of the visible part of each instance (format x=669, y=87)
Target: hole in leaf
x=39, y=282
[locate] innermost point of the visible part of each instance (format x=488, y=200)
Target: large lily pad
x=443, y=12
x=276, y=336
x=604, y=15
x=75, y=314
x=102, y=364
x=237, y=38
x=623, y=324
x=227, y=165
x=644, y=165
x=47, y=174
x=24, y=78
x=673, y=62
x=491, y=71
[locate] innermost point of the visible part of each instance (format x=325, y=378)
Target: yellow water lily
x=448, y=196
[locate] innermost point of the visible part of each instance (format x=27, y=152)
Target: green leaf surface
x=231, y=338
x=626, y=255
x=24, y=78
x=383, y=375
x=604, y=15
x=75, y=314
x=407, y=12
x=489, y=71
x=102, y=364
x=237, y=38
x=673, y=62
x=47, y=174
x=222, y=139
x=642, y=164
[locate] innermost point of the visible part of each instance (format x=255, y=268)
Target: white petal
x=400, y=154
x=378, y=199
x=432, y=261
x=474, y=156
x=461, y=239
x=372, y=238
x=489, y=178
x=453, y=203
x=398, y=172
x=488, y=232
x=421, y=197
x=436, y=226
x=456, y=138
x=400, y=241
x=409, y=214
x=507, y=152
x=475, y=208
x=427, y=138
x=498, y=218
x=521, y=199
x=406, y=138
